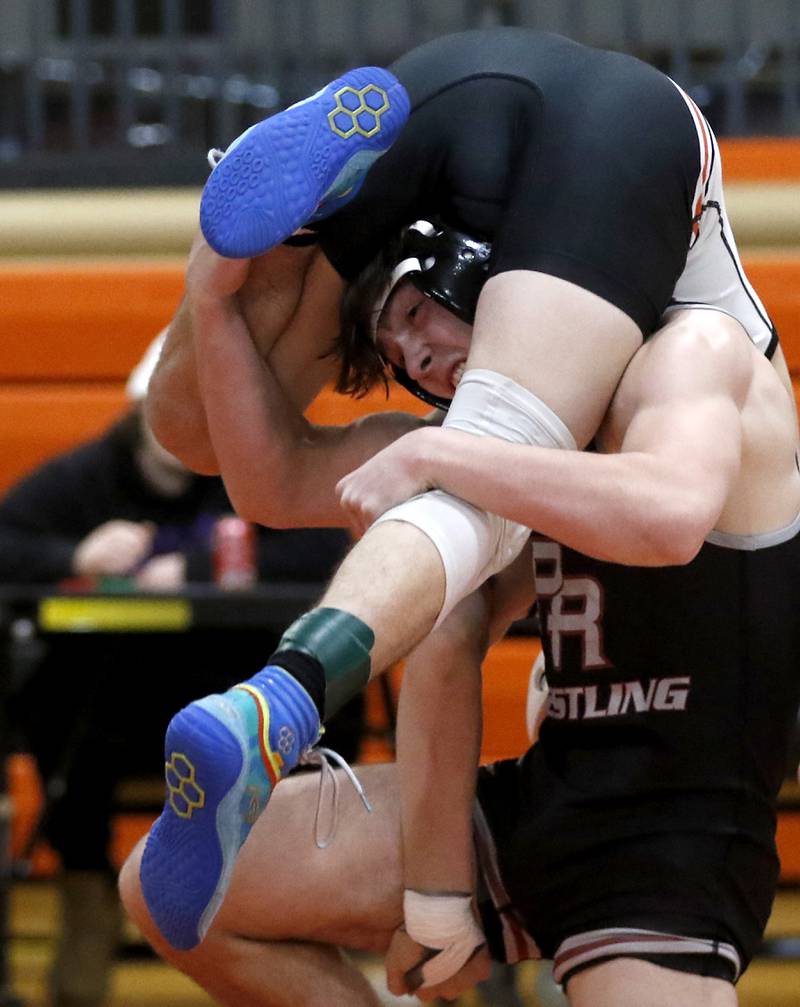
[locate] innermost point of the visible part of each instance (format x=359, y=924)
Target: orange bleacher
x=761, y=159
x=72, y=332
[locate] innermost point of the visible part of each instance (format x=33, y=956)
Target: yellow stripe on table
x=114, y=615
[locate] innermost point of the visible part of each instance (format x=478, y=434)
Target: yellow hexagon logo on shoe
x=185, y=793
x=358, y=110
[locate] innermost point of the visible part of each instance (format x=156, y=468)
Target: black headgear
x=448, y=266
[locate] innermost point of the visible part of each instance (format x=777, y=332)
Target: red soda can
x=234, y=554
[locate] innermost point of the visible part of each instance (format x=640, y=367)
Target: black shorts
x=592, y=900
x=587, y=166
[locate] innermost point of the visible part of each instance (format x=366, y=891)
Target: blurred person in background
x=120, y=506
x=120, y=513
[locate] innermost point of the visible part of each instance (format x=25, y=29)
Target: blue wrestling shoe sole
x=224, y=756
x=301, y=164
x=192, y=848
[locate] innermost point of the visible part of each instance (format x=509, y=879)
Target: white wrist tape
x=472, y=543
x=445, y=924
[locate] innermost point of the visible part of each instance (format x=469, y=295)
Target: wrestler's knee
x=463, y=635
x=130, y=891
x=204, y=963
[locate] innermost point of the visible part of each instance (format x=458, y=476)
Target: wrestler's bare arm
x=677, y=426
x=279, y=469
x=438, y=748
x=438, y=743
x=438, y=729
x=268, y=290
x=245, y=355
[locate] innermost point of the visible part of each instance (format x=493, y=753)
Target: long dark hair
x=361, y=366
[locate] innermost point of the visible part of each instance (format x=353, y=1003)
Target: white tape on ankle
x=445, y=924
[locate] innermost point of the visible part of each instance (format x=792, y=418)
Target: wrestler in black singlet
x=650, y=798
x=573, y=161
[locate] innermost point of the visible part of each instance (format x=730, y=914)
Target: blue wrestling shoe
x=302, y=164
x=224, y=755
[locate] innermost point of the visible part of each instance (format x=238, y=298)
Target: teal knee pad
x=341, y=643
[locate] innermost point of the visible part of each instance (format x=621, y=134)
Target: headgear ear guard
x=446, y=265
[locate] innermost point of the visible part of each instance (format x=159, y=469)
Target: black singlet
x=573, y=161
x=650, y=797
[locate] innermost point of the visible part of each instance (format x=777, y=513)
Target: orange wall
x=762, y=159
x=71, y=332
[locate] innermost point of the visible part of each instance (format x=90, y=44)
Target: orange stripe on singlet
x=705, y=171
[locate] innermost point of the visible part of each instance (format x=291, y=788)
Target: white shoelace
x=214, y=156
x=322, y=757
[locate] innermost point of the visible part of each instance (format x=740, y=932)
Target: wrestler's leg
x=629, y=982
x=402, y=617
x=291, y=905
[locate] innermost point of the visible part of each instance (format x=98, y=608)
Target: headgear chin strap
x=446, y=265
x=403, y=378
